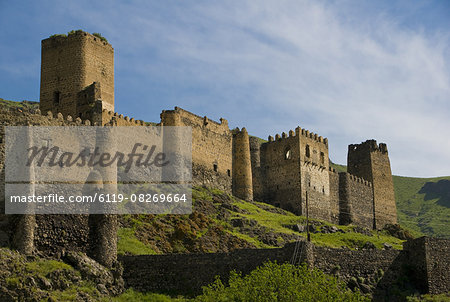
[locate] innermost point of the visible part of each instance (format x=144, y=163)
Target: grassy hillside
x=221, y=223
x=423, y=204
x=24, y=105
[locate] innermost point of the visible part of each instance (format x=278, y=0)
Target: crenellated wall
x=116, y=119
x=294, y=169
x=280, y=167
x=356, y=201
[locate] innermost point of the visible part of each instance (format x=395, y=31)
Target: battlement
x=357, y=179
x=78, y=35
x=299, y=131
x=187, y=118
x=120, y=120
x=369, y=145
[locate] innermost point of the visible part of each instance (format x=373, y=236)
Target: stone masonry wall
x=51, y=234
x=371, y=162
x=211, y=147
x=242, y=166
x=187, y=273
x=429, y=258
x=257, y=179
x=334, y=196
x=356, y=200
x=373, y=271
x=314, y=174
x=70, y=64
x=280, y=167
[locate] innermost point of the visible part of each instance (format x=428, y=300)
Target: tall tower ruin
x=76, y=70
x=242, y=171
x=293, y=168
x=371, y=162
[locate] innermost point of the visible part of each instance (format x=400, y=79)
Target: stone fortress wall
x=53, y=234
x=291, y=170
x=376, y=270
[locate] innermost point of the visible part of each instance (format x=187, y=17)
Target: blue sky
x=347, y=70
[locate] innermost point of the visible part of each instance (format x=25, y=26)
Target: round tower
x=242, y=167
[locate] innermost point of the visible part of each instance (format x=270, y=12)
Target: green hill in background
x=24, y=105
x=423, y=204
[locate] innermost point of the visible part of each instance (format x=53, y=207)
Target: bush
x=98, y=35
x=285, y=282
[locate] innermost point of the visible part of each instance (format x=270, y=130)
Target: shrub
x=98, y=35
x=285, y=282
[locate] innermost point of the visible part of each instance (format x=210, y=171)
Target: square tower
x=371, y=162
x=293, y=168
x=71, y=63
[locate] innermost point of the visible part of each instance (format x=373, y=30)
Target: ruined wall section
x=356, y=201
x=371, y=162
x=280, y=164
x=99, y=67
x=211, y=147
x=242, y=170
x=51, y=234
x=257, y=176
x=315, y=179
x=334, y=196
x=430, y=262
x=70, y=64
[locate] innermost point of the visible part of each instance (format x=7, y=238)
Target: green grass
x=354, y=240
x=131, y=295
x=99, y=35
x=72, y=293
x=128, y=243
x=277, y=223
x=19, y=105
x=44, y=267
x=421, y=211
x=268, y=219
x=260, y=140
x=249, y=239
x=338, y=167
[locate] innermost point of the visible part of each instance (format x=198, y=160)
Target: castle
x=291, y=171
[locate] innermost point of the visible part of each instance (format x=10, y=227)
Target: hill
x=24, y=105
x=221, y=223
x=423, y=204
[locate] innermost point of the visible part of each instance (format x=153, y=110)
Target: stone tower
x=371, y=162
x=76, y=70
x=242, y=171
